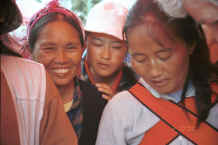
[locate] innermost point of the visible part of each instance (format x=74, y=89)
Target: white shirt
x=125, y=119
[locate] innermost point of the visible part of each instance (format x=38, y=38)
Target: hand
x=106, y=90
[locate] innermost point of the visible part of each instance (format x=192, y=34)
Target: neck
x=107, y=80
x=66, y=91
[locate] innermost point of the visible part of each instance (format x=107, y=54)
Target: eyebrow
x=48, y=44
x=138, y=54
x=116, y=42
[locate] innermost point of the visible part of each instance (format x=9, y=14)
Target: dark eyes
x=48, y=49
x=72, y=47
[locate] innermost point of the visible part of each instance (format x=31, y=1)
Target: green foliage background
x=80, y=7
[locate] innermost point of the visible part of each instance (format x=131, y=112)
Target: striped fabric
x=75, y=113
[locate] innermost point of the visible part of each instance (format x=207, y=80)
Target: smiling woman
x=56, y=39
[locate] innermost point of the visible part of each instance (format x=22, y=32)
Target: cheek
x=178, y=66
x=92, y=53
x=43, y=58
x=138, y=68
x=118, y=58
x=76, y=58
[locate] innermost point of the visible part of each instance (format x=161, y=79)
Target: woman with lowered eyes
x=175, y=100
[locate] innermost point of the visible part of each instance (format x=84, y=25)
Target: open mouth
x=61, y=72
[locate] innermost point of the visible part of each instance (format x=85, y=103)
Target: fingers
x=106, y=90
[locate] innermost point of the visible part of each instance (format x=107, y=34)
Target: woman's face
x=105, y=54
x=58, y=47
x=162, y=64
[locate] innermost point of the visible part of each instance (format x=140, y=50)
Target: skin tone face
x=105, y=55
x=58, y=47
x=162, y=64
x=105, y=58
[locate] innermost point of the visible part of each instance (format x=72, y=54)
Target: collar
x=175, y=96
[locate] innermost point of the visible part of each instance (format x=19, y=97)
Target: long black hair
x=201, y=71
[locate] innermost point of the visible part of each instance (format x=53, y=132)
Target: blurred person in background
x=206, y=12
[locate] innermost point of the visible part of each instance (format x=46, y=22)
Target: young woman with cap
x=103, y=67
x=31, y=109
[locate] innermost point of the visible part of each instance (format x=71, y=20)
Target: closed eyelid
x=138, y=55
x=164, y=54
x=96, y=39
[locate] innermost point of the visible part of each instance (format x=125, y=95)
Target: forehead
x=59, y=26
x=103, y=36
x=151, y=28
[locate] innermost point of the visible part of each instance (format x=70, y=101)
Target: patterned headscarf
x=53, y=7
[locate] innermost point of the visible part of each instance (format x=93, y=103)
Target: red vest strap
x=175, y=120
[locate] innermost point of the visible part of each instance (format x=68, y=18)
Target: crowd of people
x=77, y=87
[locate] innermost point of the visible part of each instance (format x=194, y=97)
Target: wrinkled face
x=105, y=54
x=162, y=64
x=58, y=47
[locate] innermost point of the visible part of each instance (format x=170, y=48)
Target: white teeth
x=61, y=70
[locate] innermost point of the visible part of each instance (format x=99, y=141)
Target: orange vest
x=175, y=120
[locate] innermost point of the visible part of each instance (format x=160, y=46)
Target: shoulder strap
x=175, y=119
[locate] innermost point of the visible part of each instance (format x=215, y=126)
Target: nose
x=106, y=52
x=60, y=56
x=155, y=69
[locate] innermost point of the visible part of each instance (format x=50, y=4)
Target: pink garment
x=28, y=89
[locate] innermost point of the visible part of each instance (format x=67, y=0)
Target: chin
x=62, y=82
x=107, y=75
x=166, y=90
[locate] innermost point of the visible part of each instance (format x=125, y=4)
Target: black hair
x=34, y=32
x=10, y=16
x=201, y=71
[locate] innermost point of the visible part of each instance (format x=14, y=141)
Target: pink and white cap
x=107, y=17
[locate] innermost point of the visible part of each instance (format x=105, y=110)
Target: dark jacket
x=93, y=103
